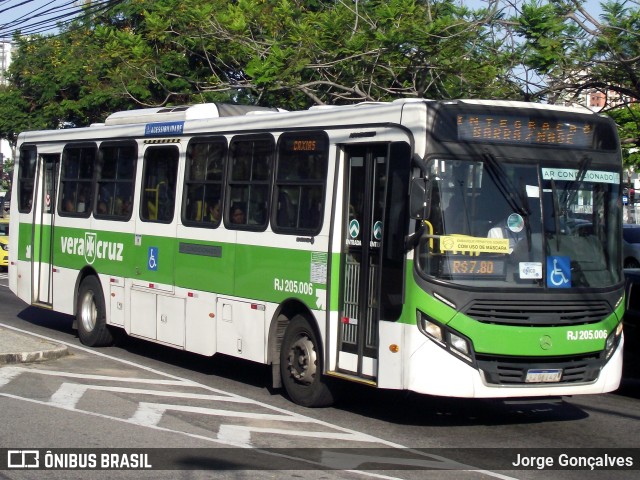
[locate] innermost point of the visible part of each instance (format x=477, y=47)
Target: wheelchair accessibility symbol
x=152, y=260
x=558, y=272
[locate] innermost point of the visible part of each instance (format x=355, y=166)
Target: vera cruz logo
x=91, y=248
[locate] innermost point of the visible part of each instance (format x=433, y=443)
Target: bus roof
x=184, y=112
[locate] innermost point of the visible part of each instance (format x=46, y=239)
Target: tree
x=6, y=172
x=14, y=114
x=286, y=53
x=294, y=54
x=574, y=54
x=63, y=80
x=628, y=120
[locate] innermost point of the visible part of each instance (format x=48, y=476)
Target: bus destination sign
x=303, y=144
x=517, y=129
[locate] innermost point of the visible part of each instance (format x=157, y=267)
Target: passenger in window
x=105, y=194
x=511, y=228
x=26, y=200
x=102, y=208
x=238, y=215
x=118, y=205
x=213, y=214
x=126, y=207
x=68, y=205
x=81, y=203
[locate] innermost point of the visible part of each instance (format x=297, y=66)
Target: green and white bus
x=455, y=248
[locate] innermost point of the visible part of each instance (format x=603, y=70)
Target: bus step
x=48, y=306
x=353, y=378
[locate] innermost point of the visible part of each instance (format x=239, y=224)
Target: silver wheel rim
x=88, y=311
x=302, y=360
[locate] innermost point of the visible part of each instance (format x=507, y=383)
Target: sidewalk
x=18, y=347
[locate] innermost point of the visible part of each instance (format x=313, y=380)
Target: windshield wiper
x=508, y=190
x=570, y=191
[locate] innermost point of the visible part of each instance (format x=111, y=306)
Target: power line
x=41, y=17
x=49, y=16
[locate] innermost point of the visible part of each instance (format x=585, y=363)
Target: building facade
x=6, y=48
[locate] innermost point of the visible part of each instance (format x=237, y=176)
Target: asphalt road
x=140, y=396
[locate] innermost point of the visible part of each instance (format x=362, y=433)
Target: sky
x=41, y=16
x=37, y=16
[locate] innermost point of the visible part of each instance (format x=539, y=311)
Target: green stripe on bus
x=261, y=273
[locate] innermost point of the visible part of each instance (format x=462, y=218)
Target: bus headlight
x=459, y=345
x=433, y=330
x=612, y=341
x=446, y=337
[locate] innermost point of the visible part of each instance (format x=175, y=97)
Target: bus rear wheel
x=301, y=365
x=91, y=314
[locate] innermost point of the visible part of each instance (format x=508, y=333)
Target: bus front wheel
x=301, y=365
x=91, y=314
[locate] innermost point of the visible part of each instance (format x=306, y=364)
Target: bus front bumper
x=434, y=371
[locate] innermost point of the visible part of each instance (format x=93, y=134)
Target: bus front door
x=359, y=300
x=42, y=231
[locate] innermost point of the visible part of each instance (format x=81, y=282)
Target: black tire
x=631, y=263
x=301, y=365
x=91, y=315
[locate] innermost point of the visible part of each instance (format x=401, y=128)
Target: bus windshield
x=496, y=223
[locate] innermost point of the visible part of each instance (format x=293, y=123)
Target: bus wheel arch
x=90, y=311
x=301, y=358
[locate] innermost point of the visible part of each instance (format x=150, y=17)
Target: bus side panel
x=20, y=256
x=390, y=358
x=287, y=269
x=200, y=324
x=64, y=283
x=241, y=329
x=116, y=302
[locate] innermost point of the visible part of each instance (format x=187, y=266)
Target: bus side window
x=205, y=164
x=249, y=181
x=76, y=179
x=301, y=175
x=115, y=180
x=159, y=184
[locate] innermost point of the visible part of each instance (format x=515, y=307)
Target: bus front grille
x=551, y=313
x=513, y=370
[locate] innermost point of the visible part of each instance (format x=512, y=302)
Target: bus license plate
x=544, y=376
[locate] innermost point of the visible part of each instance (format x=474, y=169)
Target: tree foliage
x=573, y=54
x=628, y=120
x=294, y=54
x=572, y=51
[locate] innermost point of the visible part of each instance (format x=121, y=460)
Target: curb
x=19, y=347
x=30, y=357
